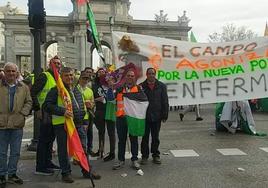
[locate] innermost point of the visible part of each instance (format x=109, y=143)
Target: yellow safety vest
x=87, y=95
x=120, y=102
x=49, y=84
x=58, y=120
x=32, y=78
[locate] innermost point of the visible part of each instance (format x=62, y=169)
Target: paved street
x=193, y=156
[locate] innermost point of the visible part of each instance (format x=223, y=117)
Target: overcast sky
x=207, y=16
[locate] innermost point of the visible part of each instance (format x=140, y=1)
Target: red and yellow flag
x=74, y=145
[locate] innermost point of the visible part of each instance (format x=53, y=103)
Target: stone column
x=82, y=50
x=88, y=54
x=9, y=47
x=32, y=52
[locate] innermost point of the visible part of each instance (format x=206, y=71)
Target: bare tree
x=230, y=32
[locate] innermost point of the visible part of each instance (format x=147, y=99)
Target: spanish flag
x=75, y=148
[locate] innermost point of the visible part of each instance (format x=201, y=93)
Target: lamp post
x=37, y=23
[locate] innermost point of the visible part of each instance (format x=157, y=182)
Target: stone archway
x=107, y=52
x=51, y=50
x=70, y=31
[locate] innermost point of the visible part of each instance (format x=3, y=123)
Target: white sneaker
x=136, y=165
x=118, y=165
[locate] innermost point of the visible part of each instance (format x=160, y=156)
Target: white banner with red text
x=199, y=73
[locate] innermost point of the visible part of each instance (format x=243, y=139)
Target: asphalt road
x=191, y=158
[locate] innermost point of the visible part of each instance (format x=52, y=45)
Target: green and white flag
x=135, y=106
x=95, y=34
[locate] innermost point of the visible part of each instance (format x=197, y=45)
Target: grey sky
x=206, y=16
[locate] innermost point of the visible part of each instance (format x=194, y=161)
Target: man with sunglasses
x=45, y=81
x=89, y=102
x=91, y=73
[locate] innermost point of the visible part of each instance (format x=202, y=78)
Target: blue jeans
x=61, y=136
x=122, y=132
x=82, y=135
x=83, y=139
x=10, y=138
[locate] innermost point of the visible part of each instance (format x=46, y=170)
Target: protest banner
x=198, y=73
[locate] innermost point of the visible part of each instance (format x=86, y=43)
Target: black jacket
x=99, y=91
x=51, y=107
x=158, y=101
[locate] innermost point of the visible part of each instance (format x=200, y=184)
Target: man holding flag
x=61, y=113
x=132, y=104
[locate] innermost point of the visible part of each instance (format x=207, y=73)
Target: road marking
x=231, y=151
x=265, y=149
x=184, y=153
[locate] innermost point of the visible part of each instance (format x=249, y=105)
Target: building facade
x=69, y=32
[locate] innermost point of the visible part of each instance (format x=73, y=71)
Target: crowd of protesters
x=95, y=101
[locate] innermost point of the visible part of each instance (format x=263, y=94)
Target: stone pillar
x=88, y=54
x=90, y=63
x=9, y=47
x=82, y=50
x=32, y=52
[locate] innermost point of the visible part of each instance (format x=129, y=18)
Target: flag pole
x=111, y=22
x=96, y=39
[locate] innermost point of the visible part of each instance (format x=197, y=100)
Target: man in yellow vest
x=90, y=71
x=121, y=124
x=89, y=102
x=45, y=81
x=54, y=105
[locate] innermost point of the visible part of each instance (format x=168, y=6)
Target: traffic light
x=37, y=14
